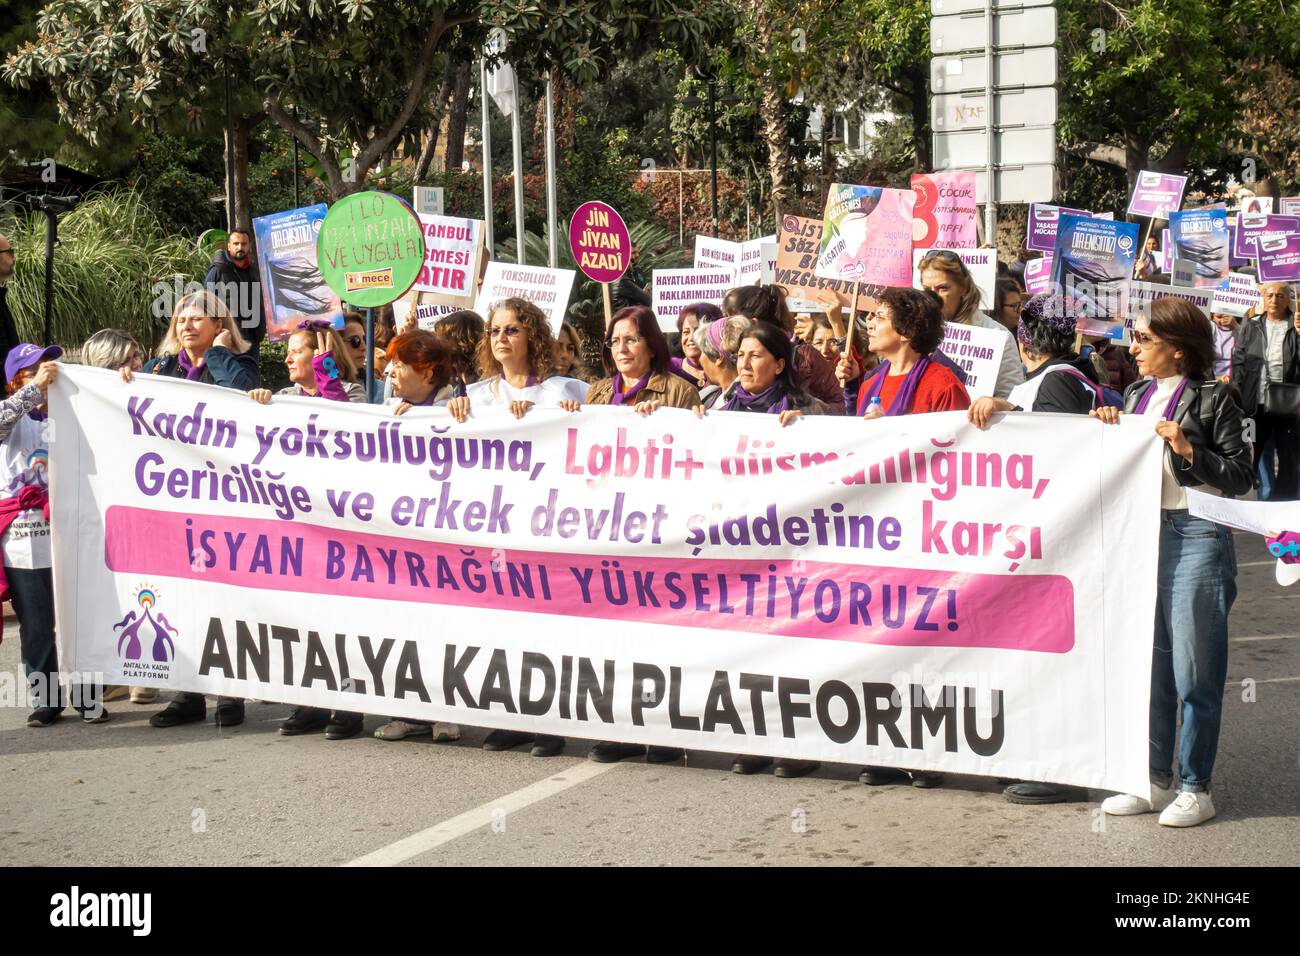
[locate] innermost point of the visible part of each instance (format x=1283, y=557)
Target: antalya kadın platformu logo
x=146, y=636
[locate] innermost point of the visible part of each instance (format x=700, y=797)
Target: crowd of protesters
x=1195, y=380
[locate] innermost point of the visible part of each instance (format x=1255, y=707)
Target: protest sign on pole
x=768, y=260
x=1135, y=301
x=293, y=288
x=716, y=255
x=1156, y=195
x=1241, y=295
x=1093, y=258
x=752, y=259
x=548, y=289
x=979, y=353
x=1038, y=274
x=370, y=248
x=981, y=263
x=867, y=235
x=426, y=314
x=676, y=288
x=797, y=592
x=944, y=214
x=798, y=245
x=601, y=246
x=1251, y=228
x=1200, y=236
x=1279, y=255
x=428, y=201
x=1043, y=222
x=452, y=249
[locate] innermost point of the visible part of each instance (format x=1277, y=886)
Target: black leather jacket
x=1221, y=458
x=1251, y=355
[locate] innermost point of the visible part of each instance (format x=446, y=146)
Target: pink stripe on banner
x=843, y=602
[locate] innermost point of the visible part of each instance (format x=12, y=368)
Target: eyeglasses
x=356, y=341
x=9, y=250
x=631, y=341
x=509, y=331
x=1145, y=339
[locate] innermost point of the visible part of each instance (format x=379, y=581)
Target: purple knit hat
x=1046, y=308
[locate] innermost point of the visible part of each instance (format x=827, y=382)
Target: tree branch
x=275, y=109
x=1100, y=153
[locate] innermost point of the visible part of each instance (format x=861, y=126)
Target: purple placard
x=1251, y=228
x=600, y=242
x=1156, y=195
x=1038, y=275
x=1279, y=257
x=1042, y=224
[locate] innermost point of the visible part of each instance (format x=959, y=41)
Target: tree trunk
x=456, y=120
x=921, y=141
x=435, y=123
x=237, y=156
x=772, y=110
x=1137, y=153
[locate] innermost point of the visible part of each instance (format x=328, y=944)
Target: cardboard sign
x=1092, y=260
x=1156, y=195
x=1256, y=206
x=983, y=266
x=548, y=289
x=1279, y=256
x=601, y=245
x=1038, y=275
x=452, y=248
x=293, y=288
x=796, y=259
x=867, y=235
x=1241, y=295
x=428, y=200
x=1135, y=301
x=744, y=260
x=370, y=248
x=673, y=289
x=427, y=314
x=944, y=214
x=753, y=259
x=978, y=351
x=1200, y=236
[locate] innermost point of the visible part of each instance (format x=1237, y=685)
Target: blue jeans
x=32, y=594
x=1277, y=449
x=1196, y=584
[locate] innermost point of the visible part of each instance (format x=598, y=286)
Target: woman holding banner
x=203, y=344
x=516, y=364
x=718, y=342
x=320, y=366
x=569, y=346
x=943, y=273
x=766, y=303
x=1196, y=577
x=903, y=332
x=639, y=365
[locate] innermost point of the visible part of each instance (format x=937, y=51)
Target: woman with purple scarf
x=904, y=332
x=639, y=365
x=691, y=318
x=1200, y=421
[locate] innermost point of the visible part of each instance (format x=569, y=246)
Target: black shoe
x=95, y=715
x=304, y=720
x=794, y=768
x=607, y=752
x=44, y=716
x=180, y=711
x=1030, y=794
x=664, y=754
x=230, y=714
x=748, y=764
x=547, y=746
x=879, y=776
x=344, y=724
x=506, y=739
x=926, y=779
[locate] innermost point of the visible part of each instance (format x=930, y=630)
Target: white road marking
x=1269, y=680
x=481, y=816
x=1266, y=637
x=1255, y=564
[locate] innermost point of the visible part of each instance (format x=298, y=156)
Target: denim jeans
x=1196, y=583
x=1277, y=449
x=32, y=593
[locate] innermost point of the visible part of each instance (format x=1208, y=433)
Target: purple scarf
x=902, y=403
x=1150, y=390
x=621, y=397
x=773, y=400
x=682, y=371
x=192, y=371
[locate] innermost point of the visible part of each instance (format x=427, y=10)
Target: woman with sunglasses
x=943, y=273
x=1200, y=420
x=516, y=364
x=354, y=337
x=320, y=366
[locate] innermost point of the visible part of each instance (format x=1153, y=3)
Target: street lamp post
x=712, y=102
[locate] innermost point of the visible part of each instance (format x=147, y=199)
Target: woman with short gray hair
x=112, y=349
x=718, y=341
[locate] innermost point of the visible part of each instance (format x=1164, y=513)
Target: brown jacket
x=667, y=389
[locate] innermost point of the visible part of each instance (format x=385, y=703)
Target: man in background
x=8, y=331
x=235, y=280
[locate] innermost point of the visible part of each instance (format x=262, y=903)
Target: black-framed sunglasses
x=356, y=341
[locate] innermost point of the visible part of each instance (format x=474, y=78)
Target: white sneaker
x=1188, y=810
x=144, y=695
x=445, y=733
x=1127, y=805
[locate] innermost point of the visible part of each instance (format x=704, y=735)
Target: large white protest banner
x=548, y=289
x=978, y=351
x=674, y=289
x=908, y=591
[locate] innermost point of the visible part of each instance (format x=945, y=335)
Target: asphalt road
x=126, y=793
